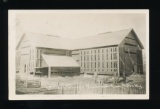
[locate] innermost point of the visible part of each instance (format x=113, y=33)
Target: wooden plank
x=49, y=72
x=130, y=41
x=123, y=58
x=131, y=50
x=130, y=44
x=118, y=61
x=141, y=61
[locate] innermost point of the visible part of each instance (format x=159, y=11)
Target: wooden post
x=49, y=72
x=76, y=88
x=62, y=90
x=102, y=87
x=118, y=68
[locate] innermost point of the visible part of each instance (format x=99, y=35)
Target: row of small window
x=113, y=56
x=94, y=64
x=27, y=68
x=113, y=49
x=107, y=70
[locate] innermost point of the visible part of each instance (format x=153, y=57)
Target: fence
x=52, y=87
x=79, y=89
x=24, y=82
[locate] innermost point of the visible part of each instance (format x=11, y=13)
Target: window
x=95, y=64
x=102, y=50
x=102, y=57
x=91, y=57
x=111, y=56
x=115, y=56
x=88, y=57
x=25, y=68
x=111, y=49
x=111, y=64
x=115, y=64
x=98, y=57
x=95, y=57
x=107, y=64
x=102, y=64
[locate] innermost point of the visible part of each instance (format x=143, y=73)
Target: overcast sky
x=76, y=25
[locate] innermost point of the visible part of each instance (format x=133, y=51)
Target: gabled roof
x=103, y=39
x=48, y=41
x=60, y=61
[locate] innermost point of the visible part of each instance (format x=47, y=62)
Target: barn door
x=140, y=61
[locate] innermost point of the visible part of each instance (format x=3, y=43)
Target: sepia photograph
x=78, y=54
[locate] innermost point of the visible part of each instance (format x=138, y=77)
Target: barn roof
x=103, y=39
x=60, y=61
x=49, y=41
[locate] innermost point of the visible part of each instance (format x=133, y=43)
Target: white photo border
x=11, y=59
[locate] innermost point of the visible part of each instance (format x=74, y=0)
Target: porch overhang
x=60, y=61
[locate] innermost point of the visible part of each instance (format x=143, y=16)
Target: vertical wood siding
x=131, y=55
x=100, y=60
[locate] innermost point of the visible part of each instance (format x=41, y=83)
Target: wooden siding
x=22, y=56
x=130, y=41
x=131, y=36
x=130, y=56
x=54, y=51
x=139, y=61
x=100, y=60
x=32, y=60
x=121, y=60
x=18, y=60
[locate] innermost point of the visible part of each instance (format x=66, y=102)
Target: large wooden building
x=105, y=53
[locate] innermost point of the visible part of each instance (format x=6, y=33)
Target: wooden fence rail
x=59, y=88
x=76, y=89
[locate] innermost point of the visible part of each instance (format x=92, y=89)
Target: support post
x=118, y=68
x=49, y=72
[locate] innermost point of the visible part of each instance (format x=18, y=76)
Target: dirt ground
x=62, y=81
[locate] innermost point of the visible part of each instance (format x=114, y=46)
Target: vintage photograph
x=78, y=54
